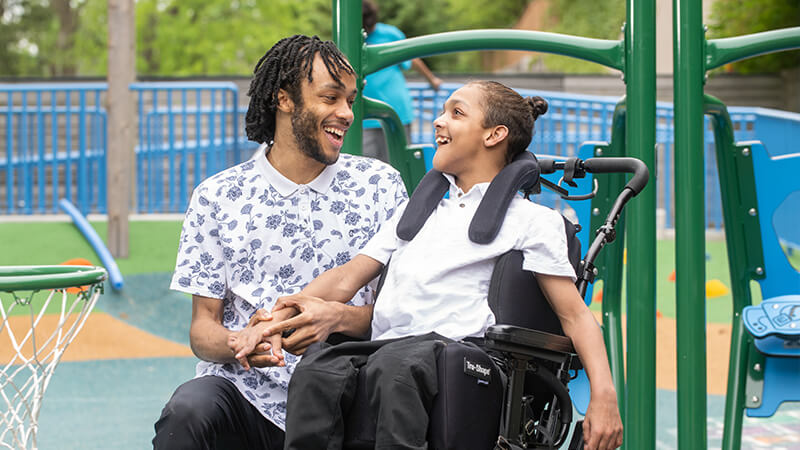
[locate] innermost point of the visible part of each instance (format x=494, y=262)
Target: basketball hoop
x=36, y=343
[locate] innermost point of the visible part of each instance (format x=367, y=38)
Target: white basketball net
x=36, y=350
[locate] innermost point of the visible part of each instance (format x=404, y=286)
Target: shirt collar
x=479, y=188
x=285, y=186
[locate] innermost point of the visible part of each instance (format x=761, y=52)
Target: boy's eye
x=458, y=112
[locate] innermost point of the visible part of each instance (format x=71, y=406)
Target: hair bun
x=538, y=106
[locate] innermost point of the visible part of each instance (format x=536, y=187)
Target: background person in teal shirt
x=389, y=84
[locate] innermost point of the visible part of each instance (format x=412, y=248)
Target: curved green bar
x=33, y=278
x=601, y=51
x=723, y=51
x=407, y=160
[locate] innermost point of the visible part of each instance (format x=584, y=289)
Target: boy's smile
x=459, y=131
x=466, y=148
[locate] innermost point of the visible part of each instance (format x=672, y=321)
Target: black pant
x=401, y=382
x=210, y=413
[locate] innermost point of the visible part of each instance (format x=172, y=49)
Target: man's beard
x=304, y=128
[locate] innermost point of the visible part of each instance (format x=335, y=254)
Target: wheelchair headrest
x=521, y=174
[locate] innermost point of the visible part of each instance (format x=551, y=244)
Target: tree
x=212, y=37
x=586, y=18
x=421, y=18
x=738, y=17
x=190, y=37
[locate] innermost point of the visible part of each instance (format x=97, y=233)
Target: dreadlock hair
x=283, y=67
x=504, y=106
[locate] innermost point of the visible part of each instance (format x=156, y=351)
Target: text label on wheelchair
x=477, y=370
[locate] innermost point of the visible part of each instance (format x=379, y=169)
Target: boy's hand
x=316, y=321
x=602, y=427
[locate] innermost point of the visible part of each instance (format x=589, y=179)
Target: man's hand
x=243, y=343
x=263, y=357
x=249, y=346
x=602, y=427
x=316, y=321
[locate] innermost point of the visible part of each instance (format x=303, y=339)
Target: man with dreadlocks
x=264, y=229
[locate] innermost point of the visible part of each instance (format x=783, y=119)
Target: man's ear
x=495, y=135
x=285, y=102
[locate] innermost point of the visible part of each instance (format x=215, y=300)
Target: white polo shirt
x=439, y=281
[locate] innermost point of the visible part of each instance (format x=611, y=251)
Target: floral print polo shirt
x=251, y=235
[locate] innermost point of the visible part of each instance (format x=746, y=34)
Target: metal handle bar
x=617, y=164
x=605, y=165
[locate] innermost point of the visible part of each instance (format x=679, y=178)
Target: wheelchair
x=508, y=390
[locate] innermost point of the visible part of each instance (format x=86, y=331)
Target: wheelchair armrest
x=527, y=342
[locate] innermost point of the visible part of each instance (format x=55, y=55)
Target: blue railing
x=53, y=141
x=54, y=146
x=187, y=132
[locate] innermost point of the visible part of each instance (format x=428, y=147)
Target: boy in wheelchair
x=435, y=290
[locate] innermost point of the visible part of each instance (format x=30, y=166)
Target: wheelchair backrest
x=514, y=294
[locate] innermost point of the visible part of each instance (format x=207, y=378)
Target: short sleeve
x=544, y=245
x=200, y=266
x=385, y=242
x=396, y=196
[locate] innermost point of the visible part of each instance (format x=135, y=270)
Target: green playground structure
x=633, y=135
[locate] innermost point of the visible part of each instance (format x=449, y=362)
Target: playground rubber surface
x=133, y=352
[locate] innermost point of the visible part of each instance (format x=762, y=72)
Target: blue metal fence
x=53, y=141
x=187, y=132
x=54, y=144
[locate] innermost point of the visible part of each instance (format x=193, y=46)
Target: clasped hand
x=296, y=321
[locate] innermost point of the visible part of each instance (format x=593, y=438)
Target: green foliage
x=174, y=37
x=218, y=37
x=28, y=32
x=739, y=17
x=421, y=18
x=587, y=18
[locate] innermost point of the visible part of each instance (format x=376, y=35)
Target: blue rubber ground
x=113, y=404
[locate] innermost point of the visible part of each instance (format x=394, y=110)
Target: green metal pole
x=348, y=37
x=745, y=259
x=688, y=44
x=610, y=261
x=640, y=64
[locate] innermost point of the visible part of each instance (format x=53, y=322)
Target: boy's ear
x=285, y=102
x=496, y=135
